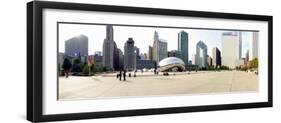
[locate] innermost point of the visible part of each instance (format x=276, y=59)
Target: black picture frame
x=34, y=60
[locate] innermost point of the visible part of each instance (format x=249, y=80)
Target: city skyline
x=97, y=33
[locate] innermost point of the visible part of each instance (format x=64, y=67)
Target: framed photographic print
x=89, y=61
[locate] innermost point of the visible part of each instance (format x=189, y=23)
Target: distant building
x=97, y=59
x=183, y=46
x=119, y=60
x=254, y=46
x=201, y=55
x=216, y=57
x=247, y=58
x=108, y=48
x=240, y=45
x=150, y=52
x=230, y=49
x=193, y=59
x=138, y=52
x=160, y=48
x=61, y=57
x=174, y=53
x=129, y=55
x=77, y=46
x=241, y=62
x=209, y=61
x=143, y=56
x=147, y=64
x=99, y=53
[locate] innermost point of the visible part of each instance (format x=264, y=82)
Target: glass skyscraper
x=183, y=46
x=201, y=54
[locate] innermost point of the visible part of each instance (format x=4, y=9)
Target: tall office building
x=174, y=53
x=129, y=55
x=77, y=46
x=193, y=59
x=155, y=47
x=254, y=46
x=160, y=48
x=209, y=60
x=247, y=57
x=183, y=46
x=150, y=52
x=216, y=57
x=119, y=60
x=240, y=45
x=138, y=53
x=108, y=48
x=230, y=49
x=201, y=55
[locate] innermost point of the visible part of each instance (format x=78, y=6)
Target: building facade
x=183, y=46
x=230, y=49
x=129, y=55
x=201, y=55
x=160, y=48
x=254, y=46
x=109, y=48
x=145, y=64
x=150, y=52
x=174, y=53
x=210, y=61
x=77, y=46
x=216, y=57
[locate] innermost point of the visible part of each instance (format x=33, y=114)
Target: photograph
x=89, y=61
x=107, y=61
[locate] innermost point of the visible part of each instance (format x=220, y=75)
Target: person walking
x=66, y=67
x=124, y=75
x=120, y=75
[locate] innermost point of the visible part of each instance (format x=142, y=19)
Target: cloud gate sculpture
x=171, y=64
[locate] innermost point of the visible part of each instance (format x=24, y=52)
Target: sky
x=143, y=37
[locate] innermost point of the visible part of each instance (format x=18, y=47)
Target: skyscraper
x=254, y=46
x=119, y=60
x=193, y=59
x=209, y=61
x=247, y=56
x=138, y=53
x=77, y=46
x=183, y=46
x=201, y=54
x=240, y=45
x=216, y=57
x=230, y=49
x=160, y=48
x=150, y=52
x=129, y=55
x=108, y=48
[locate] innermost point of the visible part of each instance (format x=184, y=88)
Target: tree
x=254, y=63
x=86, y=70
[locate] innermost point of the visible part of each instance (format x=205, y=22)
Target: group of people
x=123, y=74
x=120, y=74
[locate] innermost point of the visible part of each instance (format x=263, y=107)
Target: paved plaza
x=148, y=84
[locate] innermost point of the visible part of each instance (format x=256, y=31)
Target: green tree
x=254, y=63
x=86, y=70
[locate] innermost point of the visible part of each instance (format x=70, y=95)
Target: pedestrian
x=66, y=67
x=124, y=75
x=135, y=74
x=120, y=75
